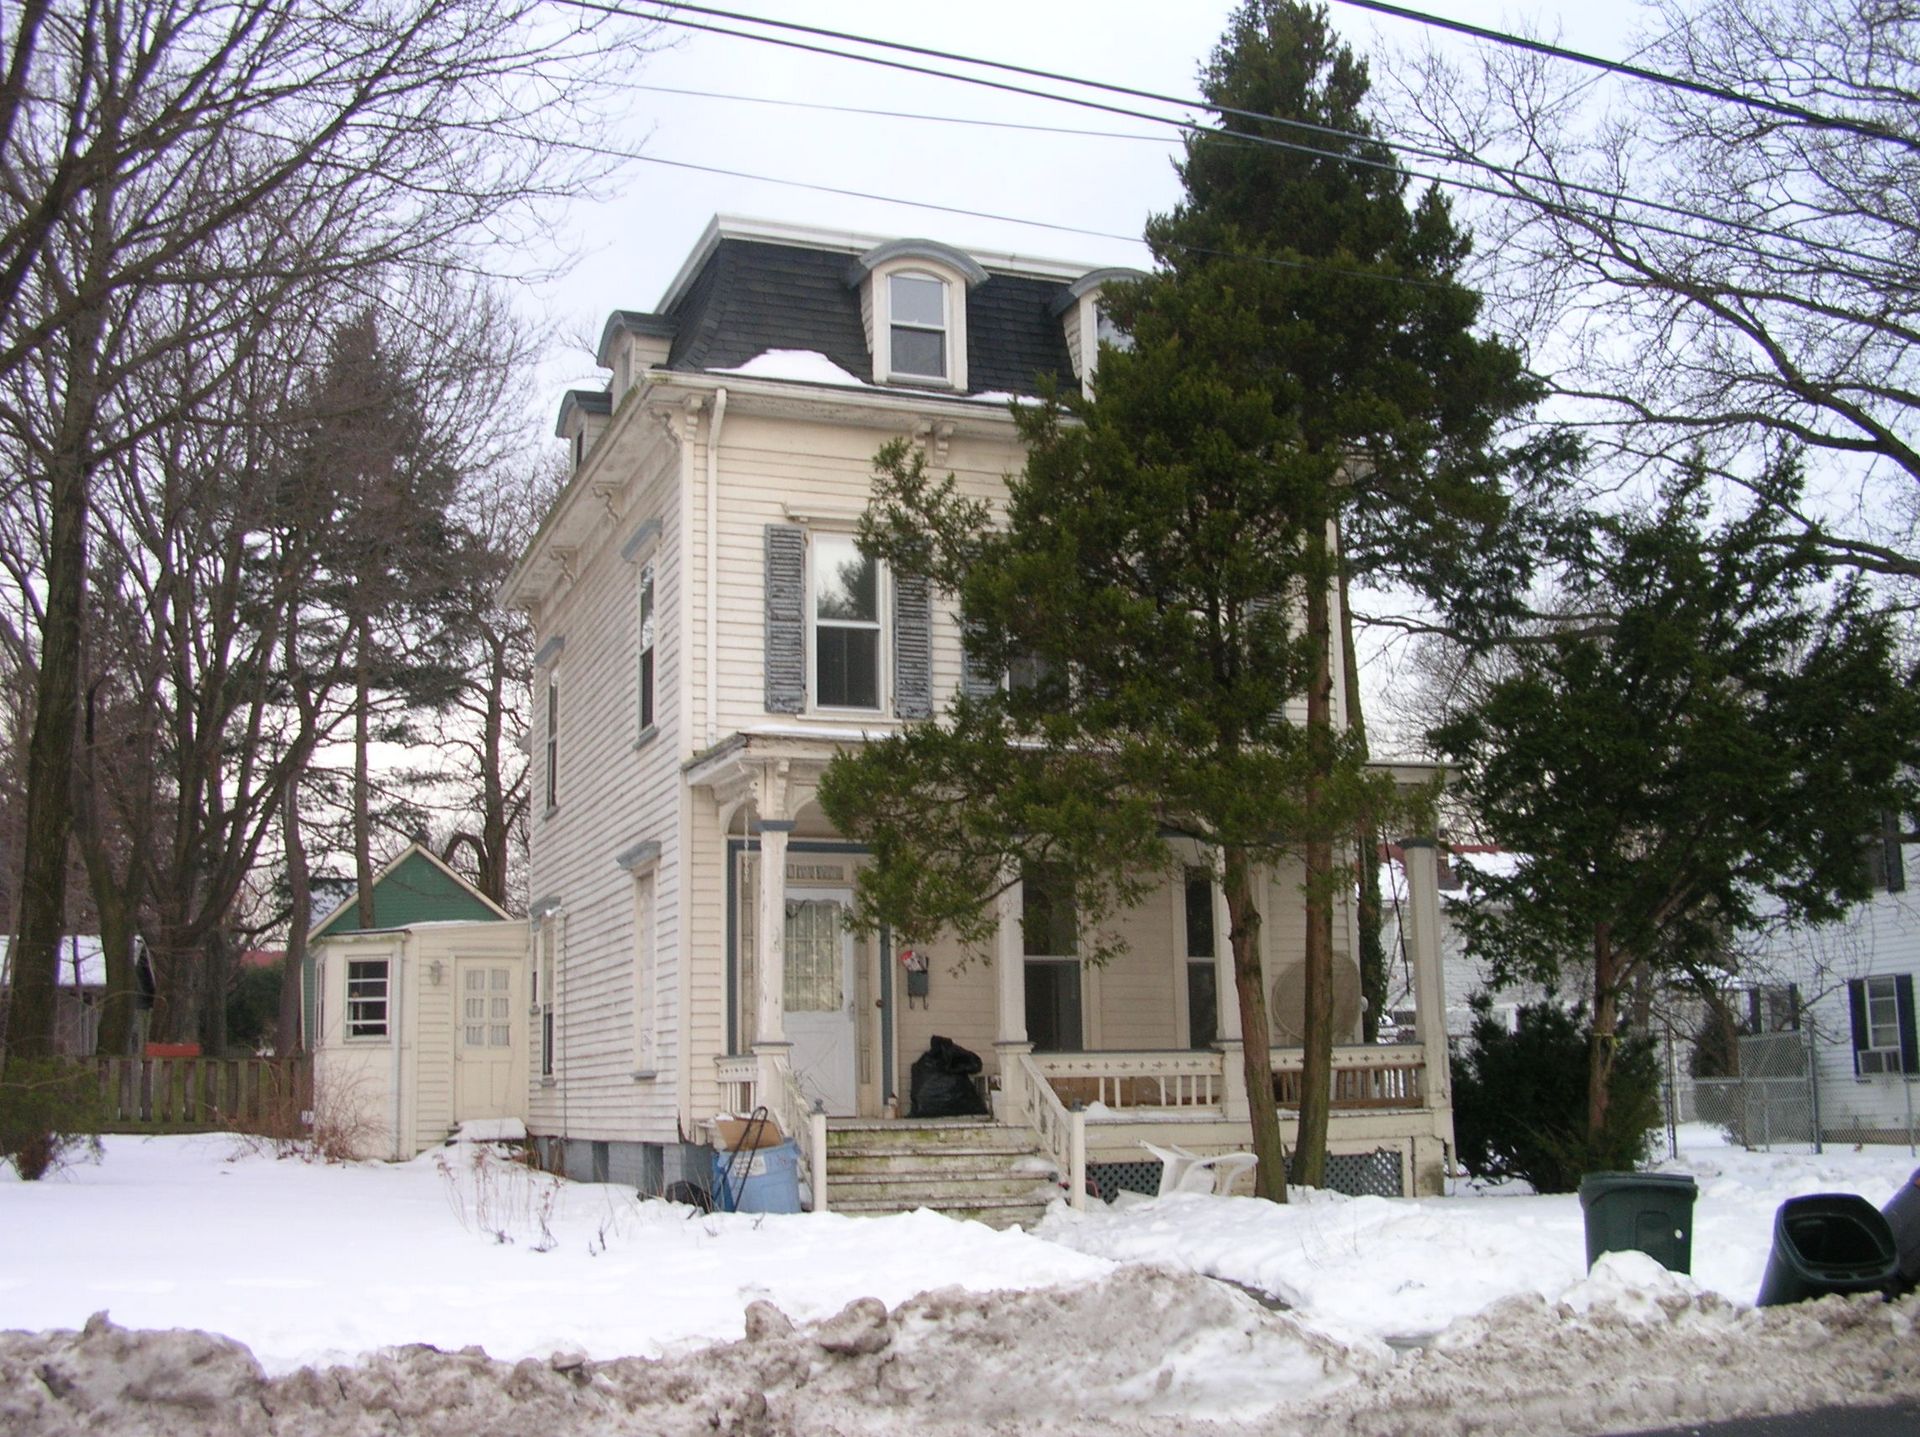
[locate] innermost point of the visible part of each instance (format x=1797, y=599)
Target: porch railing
x=806, y=1124
x=1363, y=1077
x=1183, y=1079
x=735, y=1073
x=1062, y=1134
x=270, y=1096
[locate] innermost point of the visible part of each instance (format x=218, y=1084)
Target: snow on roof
x=806, y=365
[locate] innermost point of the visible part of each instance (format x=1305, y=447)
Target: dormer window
x=913, y=297
x=1088, y=324
x=917, y=336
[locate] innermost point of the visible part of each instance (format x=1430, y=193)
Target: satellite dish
x=1289, y=1015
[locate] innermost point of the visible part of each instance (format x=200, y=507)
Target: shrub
x=1520, y=1100
x=50, y=1110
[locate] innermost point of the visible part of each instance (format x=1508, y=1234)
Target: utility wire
x=1271, y=261
x=899, y=114
x=1562, y=208
x=1863, y=128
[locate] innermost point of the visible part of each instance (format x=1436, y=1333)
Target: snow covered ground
x=1389, y=1302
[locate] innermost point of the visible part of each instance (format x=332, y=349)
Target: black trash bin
x=1902, y=1213
x=1827, y=1243
x=1640, y=1212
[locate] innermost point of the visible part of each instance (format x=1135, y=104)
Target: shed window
x=367, y=998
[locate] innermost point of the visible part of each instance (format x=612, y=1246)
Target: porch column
x=770, y=1010
x=1226, y=997
x=1010, y=996
x=1429, y=983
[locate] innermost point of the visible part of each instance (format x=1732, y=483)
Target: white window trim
x=881, y=302
x=348, y=1023
x=545, y=1006
x=646, y=928
x=883, y=608
x=550, y=721
x=1876, y=1057
x=646, y=695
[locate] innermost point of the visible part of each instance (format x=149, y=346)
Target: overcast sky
x=630, y=241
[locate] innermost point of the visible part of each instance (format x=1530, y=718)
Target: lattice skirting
x=1374, y=1174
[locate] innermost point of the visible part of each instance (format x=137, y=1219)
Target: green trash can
x=1640, y=1212
x=1826, y=1244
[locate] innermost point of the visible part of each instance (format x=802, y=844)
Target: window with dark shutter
x=786, y=639
x=912, y=647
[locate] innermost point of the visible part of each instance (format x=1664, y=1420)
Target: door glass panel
x=813, y=957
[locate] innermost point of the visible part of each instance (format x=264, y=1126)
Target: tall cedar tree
x=1375, y=375
x=1300, y=360
x=1713, y=758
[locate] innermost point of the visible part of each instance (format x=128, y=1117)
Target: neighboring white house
x=1851, y=984
x=708, y=637
x=420, y=1016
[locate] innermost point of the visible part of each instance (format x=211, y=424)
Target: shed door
x=484, y=1042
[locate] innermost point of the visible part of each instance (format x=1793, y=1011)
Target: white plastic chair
x=1187, y=1172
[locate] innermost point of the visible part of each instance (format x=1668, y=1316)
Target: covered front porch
x=823, y=1023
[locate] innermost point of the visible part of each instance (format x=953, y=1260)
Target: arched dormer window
x=914, y=300
x=1087, y=324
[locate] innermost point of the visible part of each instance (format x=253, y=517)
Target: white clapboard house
x=709, y=637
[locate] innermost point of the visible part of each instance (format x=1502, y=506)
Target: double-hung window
x=544, y=979
x=917, y=326
x=846, y=624
x=553, y=743
x=646, y=648
x=1883, y=1023
x=367, y=998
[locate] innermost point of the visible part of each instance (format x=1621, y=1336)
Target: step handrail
x=1062, y=1134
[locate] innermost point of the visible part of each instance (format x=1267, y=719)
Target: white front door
x=483, y=1046
x=820, y=997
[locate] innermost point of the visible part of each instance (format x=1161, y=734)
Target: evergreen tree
x=1301, y=369
x=1367, y=349
x=1711, y=753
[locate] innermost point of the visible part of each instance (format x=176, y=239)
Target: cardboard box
x=730, y=1134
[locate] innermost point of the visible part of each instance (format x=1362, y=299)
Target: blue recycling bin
x=758, y=1180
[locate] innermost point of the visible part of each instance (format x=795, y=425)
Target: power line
x=1510, y=174
x=974, y=120
x=1652, y=77
x=1272, y=261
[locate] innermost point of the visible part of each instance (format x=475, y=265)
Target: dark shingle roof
x=751, y=296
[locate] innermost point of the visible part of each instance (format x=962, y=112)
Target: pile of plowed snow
x=1142, y=1351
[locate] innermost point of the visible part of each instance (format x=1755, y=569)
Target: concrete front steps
x=963, y=1167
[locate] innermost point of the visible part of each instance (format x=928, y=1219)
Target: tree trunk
x=287, y=1037
x=1270, y=1177
x=495, y=835
x=216, y=966
x=1316, y=1070
x=362, y=798
x=50, y=747
x=1600, y=1047
x=115, y=900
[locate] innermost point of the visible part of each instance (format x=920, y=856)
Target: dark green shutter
x=1909, y=1047
x=786, y=618
x=913, y=647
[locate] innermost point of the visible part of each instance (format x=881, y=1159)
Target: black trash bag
x=942, y=1085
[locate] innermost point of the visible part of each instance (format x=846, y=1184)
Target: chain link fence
x=1776, y=1100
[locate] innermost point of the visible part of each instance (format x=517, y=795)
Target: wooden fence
x=203, y=1095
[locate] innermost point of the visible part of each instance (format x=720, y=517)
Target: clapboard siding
x=614, y=792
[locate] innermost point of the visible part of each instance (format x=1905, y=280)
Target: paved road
x=1901, y=1421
